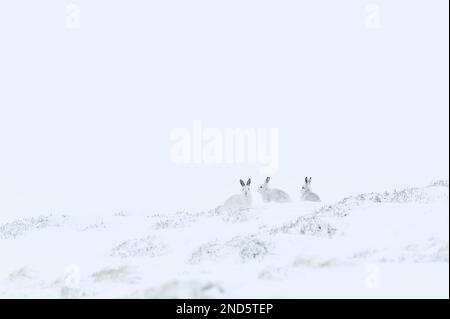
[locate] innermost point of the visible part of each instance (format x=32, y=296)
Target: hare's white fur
x=307, y=194
x=271, y=194
x=239, y=201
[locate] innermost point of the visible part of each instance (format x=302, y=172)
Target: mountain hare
x=240, y=201
x=307, y=194
x=272, y=194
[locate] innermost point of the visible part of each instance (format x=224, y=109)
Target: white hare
x=240, y=201
x=271, y=194
x=306, y=192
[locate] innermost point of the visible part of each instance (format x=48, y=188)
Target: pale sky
x=86, y=114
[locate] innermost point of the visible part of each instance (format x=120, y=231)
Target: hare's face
x=307, y=186
x=246, y=190
x=264, y=186
x=246, y=187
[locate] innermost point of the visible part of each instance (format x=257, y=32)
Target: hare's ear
x=306, y=180
x=249, y=182
x=242, y=183
x=309, y=182
x=267, y=179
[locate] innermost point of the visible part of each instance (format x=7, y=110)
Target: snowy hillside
x=392, y=244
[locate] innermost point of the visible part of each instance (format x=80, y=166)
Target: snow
x=375, y=245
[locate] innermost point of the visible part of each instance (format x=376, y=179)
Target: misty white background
x=86, y=115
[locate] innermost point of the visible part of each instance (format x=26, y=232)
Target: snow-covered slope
x=392, y=244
